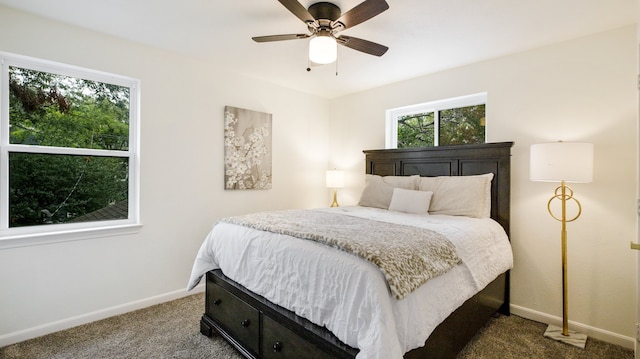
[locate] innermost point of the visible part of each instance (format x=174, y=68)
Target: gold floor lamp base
x=573, y=338
x=563, y=334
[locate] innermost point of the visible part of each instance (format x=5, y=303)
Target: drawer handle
x=217, y=302
x=277, y=347
x=245, y=323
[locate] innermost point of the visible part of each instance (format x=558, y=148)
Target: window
x=68, y=149
x=455, y=121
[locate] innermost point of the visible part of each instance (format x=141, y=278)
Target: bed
x=321, y=311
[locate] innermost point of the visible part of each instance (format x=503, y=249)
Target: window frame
x=31, y=235
x=392, y=115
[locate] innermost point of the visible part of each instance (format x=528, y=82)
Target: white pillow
x=378, y=190
x=410, y=201
x=468, y=196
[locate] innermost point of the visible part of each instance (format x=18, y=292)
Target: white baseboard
x=49, y=328
x=16, y=337
x=604, y=335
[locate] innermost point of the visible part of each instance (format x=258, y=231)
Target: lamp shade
x=562, y=161
x=323, y=49
x=335, y=179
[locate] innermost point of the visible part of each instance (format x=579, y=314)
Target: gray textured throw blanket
x=408, y=256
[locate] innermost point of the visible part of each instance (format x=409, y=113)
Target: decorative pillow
x=468, y=196
x=410, y=201
x=378, y=190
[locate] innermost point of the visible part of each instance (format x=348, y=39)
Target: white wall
x=48, y=287
x=581, y=90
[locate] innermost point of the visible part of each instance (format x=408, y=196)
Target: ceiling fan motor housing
x=324, y=10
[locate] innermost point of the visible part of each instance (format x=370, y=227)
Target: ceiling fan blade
x=270, y=38
x=362, y=45
x=362, y=12
x=298, y=10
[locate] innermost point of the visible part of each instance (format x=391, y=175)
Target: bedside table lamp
x=563, y=162
x=335, y=180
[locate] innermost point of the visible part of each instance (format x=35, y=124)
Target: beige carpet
x=172, y=330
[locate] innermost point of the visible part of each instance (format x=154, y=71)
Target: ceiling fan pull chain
x=308, y=64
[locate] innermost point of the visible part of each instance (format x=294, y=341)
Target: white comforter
x=349, y=295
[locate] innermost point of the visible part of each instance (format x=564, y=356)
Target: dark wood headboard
x=463, y=160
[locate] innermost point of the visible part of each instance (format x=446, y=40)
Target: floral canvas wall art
x=247, y=149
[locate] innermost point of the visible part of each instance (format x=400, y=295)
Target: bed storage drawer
x=228, y=304
x=239, y=318
x=280, y=342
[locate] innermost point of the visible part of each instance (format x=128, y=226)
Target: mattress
x=348, y=295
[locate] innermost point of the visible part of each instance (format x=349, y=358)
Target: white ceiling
x=424, y=36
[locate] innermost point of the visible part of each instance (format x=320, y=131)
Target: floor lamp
x=335, y=180
x=563, y=162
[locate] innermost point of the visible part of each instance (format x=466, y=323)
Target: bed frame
x=261, y=329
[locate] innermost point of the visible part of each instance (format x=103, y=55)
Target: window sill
x=35, y=239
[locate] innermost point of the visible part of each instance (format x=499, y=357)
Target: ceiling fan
x=325, y=21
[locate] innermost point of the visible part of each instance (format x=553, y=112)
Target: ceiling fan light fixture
x=323, y=49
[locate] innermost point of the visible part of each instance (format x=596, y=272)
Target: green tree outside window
x=463, y=125
x=51, y=110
